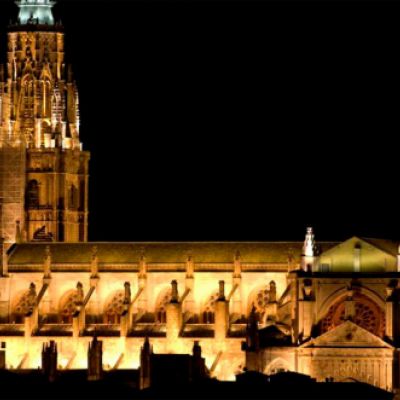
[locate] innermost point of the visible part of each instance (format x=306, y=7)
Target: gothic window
x=368, y=315
x=161, y=308
x=23, y=306
x=115, y=308
x=46, y=128
x=73, y=197
x=68, y=307
x=32, y=194
x=82, y=196
x=208, y=309
x=260, y=299
x=47, y=98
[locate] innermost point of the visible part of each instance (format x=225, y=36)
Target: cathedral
x=329, y=310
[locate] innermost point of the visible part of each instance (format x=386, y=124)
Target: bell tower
x=43, y=169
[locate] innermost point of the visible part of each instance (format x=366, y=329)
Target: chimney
x=95, y=360
x=49, y=360
x=145, y=365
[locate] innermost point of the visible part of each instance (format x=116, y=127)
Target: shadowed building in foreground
x=327, y=310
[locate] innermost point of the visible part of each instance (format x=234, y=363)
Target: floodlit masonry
x=329, y=310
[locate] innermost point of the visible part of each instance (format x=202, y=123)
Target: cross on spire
x=35, y=12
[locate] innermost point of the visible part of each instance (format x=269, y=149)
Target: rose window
x=367, y=315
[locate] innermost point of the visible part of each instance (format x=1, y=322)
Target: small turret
x=309, y=243
x=309, y=251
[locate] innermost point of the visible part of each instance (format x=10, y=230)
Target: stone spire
x=37, y=12
x=309, y=243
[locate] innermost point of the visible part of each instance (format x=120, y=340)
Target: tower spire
x=37, y=12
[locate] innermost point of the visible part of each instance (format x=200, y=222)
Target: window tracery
x=368, y=315
x=69, y=307
x=24, y=305
x=161, y=308
x=209, y=309
x=115, y=308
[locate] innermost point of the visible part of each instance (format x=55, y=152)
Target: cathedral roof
x=165, y=252
x=388, y=246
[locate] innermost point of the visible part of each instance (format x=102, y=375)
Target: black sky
x=237, y=120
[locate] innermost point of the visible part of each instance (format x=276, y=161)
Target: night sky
x=237, y=120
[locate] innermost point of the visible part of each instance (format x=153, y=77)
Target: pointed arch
x=114, y=307
x=277, y=365
x=259, y=297
x=33, y=194
x=368, y=315
x=208, y=309
x=68, y=306
x=160, y=309
x=22, y=305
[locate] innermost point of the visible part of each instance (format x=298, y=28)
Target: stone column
x=306, y=310
x=221, y=325
x=389, y=313
x=189, y=286
x=142, y=284
x=2, y=356
x=126, y=315
x=79, y=319
x=237, y=285
x=272, y=306
x=174, y=320
x=47, y=266
x=3, y=258
x=94, y=302
x=32, y=318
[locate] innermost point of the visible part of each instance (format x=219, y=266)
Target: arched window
x=276, y=366
x=368, y=315
x=208, y=316
x=73, y=197
x=161, y=306
x=23, y=306
x=260, y=299
x=115, y=308
x=68, y=306
x=32, y=194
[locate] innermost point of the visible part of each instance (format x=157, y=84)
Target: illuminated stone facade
x=43, y=170
x=330, y=310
